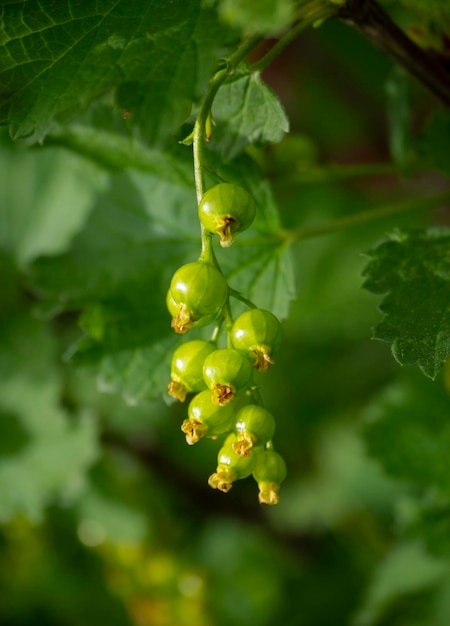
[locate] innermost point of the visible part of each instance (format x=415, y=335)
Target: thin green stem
x=228, y=322
x=207, y=253
x=216, y=331
x=403, y=206
x=205, y=110
x=309, y=14
x=197, y=147
x=199, y=133
x=312, y=12
x=239, y=296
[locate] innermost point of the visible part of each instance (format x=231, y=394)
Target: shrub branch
x=431, y=69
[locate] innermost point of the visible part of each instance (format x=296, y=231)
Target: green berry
x=231, y=466
x=269, y=472
x=254, y=426
x=225, y=210
x=207, y=419
x=226, y=371
x=186, y=371
x=257, y=333
x=172, y=306
x=182, y=319
x=196, y=295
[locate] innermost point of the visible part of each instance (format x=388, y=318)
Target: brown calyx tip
x=222, y=394
x=193, y=429
x=183, y=321
x=268, y=493
x=228, y=226
x=219, y=481
x=177, y=390
x=244, y=444
x=261, y=358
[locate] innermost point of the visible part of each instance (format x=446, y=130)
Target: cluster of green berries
x=226, y=399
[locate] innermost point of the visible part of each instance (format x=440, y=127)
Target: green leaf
x=433, y=143
x=408, y=430
x=398, y=89
x=56, y=58
x=141, y=374
x=119, y=268
x=435, y=9
x=123, y=250
x=45, y=197
x=245, y=172
x=263, y=271
x=240, y=557
x=266, y=17
x=118, y=152
x=261, y=267
x=345, y=480
x=406, y=571
x=246, y=112
x=413, y=269
x=11, y=296
x=430, y=525
x=112, y=510
x=51, y=453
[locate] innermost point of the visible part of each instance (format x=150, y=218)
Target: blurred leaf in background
x=106, y=514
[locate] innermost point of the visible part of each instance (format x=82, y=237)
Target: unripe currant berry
x=269, y=472
x=226, y=371
x=174, y=310
x=186, y=370
x=207, y=419
x=257, y=333
x=254, y=426
x=226, y=209
x=196, y=295
x=231, y=466
x=177, y=312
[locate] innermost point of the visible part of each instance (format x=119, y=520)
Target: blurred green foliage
x=106, y=515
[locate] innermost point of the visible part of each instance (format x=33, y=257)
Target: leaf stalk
x=403, y=206
x=309, y=15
